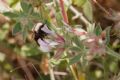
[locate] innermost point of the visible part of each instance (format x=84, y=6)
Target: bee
x=40, y=31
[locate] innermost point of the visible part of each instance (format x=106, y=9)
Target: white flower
x=51, y=43
x=46, y=45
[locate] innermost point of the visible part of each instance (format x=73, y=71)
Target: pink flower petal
x=59, y=39
x=59, y=53
x=79, y=31
x=90, y=40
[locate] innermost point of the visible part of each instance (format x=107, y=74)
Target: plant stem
x=52, y=77
x=77, y=13
x=72, y=69
x=101, y=7
x=73, y=72
x=64, y=14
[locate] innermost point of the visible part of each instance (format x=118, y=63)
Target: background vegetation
x=88, y=33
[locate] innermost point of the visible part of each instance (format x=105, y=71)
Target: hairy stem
x=64, y=14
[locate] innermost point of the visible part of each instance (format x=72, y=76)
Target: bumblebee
x=40, y=32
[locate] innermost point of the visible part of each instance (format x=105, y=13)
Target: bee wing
x=46, y=30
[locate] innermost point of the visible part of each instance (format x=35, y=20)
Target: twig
x=51, y=73
x=101, y=7
x=26, y=70
x=64, y=14
x=37, y=72
x=77, y=13
x=72, y=69
x=60, y=73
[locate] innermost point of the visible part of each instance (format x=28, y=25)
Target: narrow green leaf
x=36, y=16
x=25, y=33
x=79, y=2
x=75, y=59
x=91, y=28
x=107, y=40
x=11, y=14
x=98, y=30
x=77, y=41
x=26, y=7
x=87, y=10
x=17, y=28
x=113, y=53
x=77, y=49
x=30, y=25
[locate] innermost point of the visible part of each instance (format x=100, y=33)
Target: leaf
x=26, y=7
x=54, y=61
x=91, y=28
x=107, y=39
x=78, y=42
x=98, y=30
x=25, y=33
x=28, y=50
x=35, y=16
x=11, y=14
x=79, y=2
x=17, y=28
x=77, y=49
x=75, y=59
x=58, y=18
x=87, y=10
x=113, y=53
x=30, y=25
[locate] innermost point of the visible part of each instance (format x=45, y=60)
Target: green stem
x=73, y=72
x=72, y=69
x=52, y=77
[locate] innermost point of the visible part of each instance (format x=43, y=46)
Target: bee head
x=37, y=27
x=40, y=31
